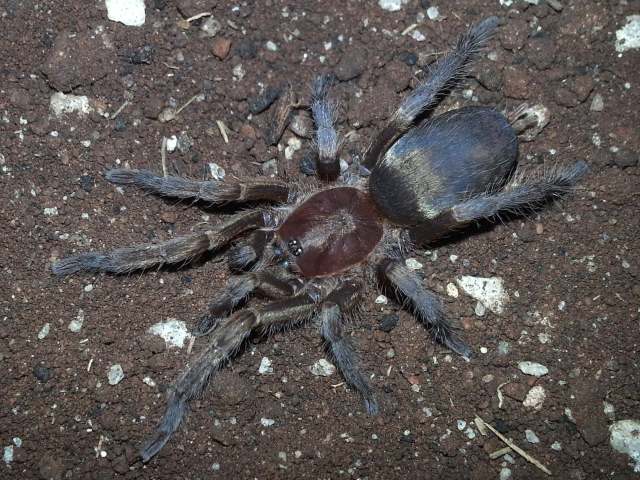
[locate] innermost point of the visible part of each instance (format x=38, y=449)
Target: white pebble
x=265, y=367
x=533, y=368
x=128, y=12
x=173, y=332
x=44, y=331
x=628, y=36
x=391, y=5
x=480, y=309
x=452, y=290
x=413, y=264
x=322, y=368
x=51, y=212
x=490, y=291
x=505, y=474
x=381, y=300
x=76, y=324
x=461, y=424
x=7, y=456
x=557, y=446
x=216, y=171
x=267, y=422
x=149, y=381
x=271, y=46
x=543, y=338
x=88, y=288
x=484, y=350
x=418, y=36
x=172, y=143
x=433, y=13
x=625, y=438
x=535, y=398
x=61, y=104
x=531, y=436
x=115, y=374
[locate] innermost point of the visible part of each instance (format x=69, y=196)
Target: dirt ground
x=571, y=272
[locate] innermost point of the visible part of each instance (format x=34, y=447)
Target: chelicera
x=317, y=247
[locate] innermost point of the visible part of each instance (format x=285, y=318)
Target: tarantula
x=320, y=246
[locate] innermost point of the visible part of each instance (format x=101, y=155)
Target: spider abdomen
x=331, y=231
x=441, y=161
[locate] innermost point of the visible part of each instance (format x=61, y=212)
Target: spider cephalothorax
x=317, y=247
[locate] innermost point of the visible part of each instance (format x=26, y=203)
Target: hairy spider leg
x=238, y=289
x=176, y=250
x=332, y=317
x=216, y=192
x=246, y=254
x=426, y=305
x=524, y=193
x=446, y=72
x=224, y=342
x=327, y=142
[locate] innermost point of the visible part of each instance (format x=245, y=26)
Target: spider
x=318, y=247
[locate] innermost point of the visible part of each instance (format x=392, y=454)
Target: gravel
x=625, y=438
x=115, y=374
x=533, y=368
x=128, y=12
x=266, y=367
x=535, y=398
x=489, y=291
x=174, y=332
x=322, y=368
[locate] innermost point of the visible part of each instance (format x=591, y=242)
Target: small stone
x=597, y=103
x=7, y=455
x=322, y=368
x=452, y=290
x=216, y=171
x=221, y=47
x=417, y=35
x=44, y=331
x=271, y=46
x=50, y=212
x=505, y=473
x=210, y=27
x=388, y=322
x=302, y=125
x=557, y=446
x=115, y=374
x=88, y=288
x=267, y=422
x=87, y=183
x=628, y=37
x=531, y=436
x=433, y=13
x=487, y=290
x=625, y=438
x=76, y=324
x=530, y=121
x=480, y=310
x=413, y=264
x=391, y=5
x=128, y=12
x=381, y=300
x=533, y=368
x=149, y=381
x=535, y=398
x=624, y=158
x=266, y=367
x=43, y=374
x=461, y=424
x=173, y=332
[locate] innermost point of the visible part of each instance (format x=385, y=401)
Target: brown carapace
x=311, y=253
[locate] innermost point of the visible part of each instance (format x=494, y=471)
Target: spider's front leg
x=324, y=117
x=178, y=250
x=216, y=192
x=426, y=305
x=332, y=318
x=442, y=76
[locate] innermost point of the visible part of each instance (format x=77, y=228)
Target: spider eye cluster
x=295, y=248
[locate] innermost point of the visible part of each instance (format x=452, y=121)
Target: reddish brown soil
x=581, y=255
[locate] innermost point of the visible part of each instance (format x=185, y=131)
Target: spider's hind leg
x=174, y=251
x=426, y=306
x=442, y=76
x=327, y=142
